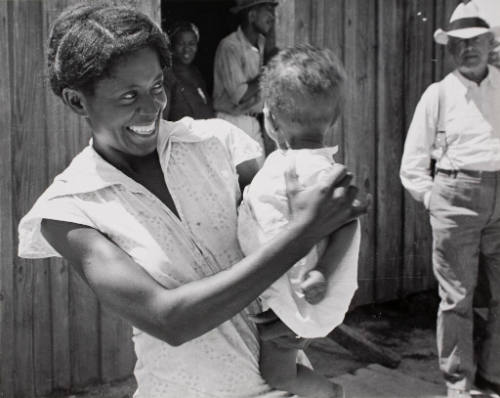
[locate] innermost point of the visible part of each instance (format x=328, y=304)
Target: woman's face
x=185, y=47
x=125, y=109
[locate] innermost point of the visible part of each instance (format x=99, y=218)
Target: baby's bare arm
x=328, y=262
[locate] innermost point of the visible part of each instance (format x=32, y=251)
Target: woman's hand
x=324, y=207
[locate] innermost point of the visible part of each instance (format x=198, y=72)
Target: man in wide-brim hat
x=458, y=121
x=238, y=62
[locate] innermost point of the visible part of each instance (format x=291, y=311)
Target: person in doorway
x=457, y=121
x=303, y=91
x=147, y=213
x=186, y=89
x=238, y=64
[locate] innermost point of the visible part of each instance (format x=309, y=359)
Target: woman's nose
x=151, y=105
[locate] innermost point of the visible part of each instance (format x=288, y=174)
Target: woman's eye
x=158, y=87
x=128, y=96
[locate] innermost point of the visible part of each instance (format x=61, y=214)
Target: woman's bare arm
x=181, y=314
x=175, y=315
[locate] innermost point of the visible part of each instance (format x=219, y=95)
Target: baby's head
x=303, y=91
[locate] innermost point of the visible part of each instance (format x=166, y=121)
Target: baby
x=303, y=90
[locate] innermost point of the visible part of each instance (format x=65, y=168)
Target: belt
x=470, y=173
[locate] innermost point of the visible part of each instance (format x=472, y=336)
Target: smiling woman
x=124, y=109
x=187, y=91
x=146, y=214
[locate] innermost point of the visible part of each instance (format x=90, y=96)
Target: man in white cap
x=457, y=122
x=237, y=67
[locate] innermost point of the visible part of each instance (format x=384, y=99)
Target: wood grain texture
x=444, y=63
x=318, y=8
x=390, y=124
x=7, y=249
x=303, y=22
x=334, y=39
x=63, y=131
x=419, y=64
x=285, y=23
x=84, y=333
x=360, y=126
x=33, y=367
x=117, y=351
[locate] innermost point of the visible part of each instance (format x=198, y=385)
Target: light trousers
x=465, y=220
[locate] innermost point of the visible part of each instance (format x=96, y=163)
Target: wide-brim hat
x=465, y=22
x=244, y=4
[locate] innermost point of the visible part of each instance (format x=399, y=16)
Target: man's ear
x=75, y=100
x=251, y=15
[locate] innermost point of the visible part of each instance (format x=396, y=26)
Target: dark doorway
x=214, y=20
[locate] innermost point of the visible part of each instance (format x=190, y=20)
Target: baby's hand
x=314, y=286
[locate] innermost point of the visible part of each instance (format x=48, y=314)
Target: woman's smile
x=144, y=130
x=125, y=109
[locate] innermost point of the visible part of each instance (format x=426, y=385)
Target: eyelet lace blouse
x=198, y=159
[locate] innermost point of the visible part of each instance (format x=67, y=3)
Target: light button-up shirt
x=237, y=62
x=471, y=121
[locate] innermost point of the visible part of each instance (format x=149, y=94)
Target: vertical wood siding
x=7, y=245
x=390, y=57
x=54, y=335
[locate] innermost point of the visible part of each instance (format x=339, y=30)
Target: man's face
x=471, y=55
x=262, y=18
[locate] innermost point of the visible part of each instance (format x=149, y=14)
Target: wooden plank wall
x=390, y=57
x=7, y=248
x=54, y=336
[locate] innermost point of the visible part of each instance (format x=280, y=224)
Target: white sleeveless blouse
x=198, y=159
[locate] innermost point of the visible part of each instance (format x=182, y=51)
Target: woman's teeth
x=143, y=130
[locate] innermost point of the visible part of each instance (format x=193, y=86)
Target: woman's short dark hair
x=86, y=40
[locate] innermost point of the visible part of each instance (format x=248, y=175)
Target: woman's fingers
x=360, y=206
x=337, y=177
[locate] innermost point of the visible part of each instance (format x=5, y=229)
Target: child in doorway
x=303, y=91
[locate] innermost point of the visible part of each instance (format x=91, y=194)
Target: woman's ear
x=75, y=100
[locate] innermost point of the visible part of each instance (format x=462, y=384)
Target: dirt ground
x=406, y=327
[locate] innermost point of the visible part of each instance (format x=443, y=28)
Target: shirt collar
x=492, y=78
x=89, y=172
x=242, y=38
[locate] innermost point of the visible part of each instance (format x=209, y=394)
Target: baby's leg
x=278, y=366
